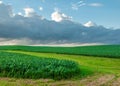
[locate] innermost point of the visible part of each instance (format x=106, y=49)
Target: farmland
x=76, y=66
x=101, y=51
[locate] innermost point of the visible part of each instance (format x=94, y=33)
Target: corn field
x=26, y=66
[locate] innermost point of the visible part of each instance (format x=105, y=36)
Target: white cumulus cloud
x=29, y=12
x=89, y=24
x=58, y=16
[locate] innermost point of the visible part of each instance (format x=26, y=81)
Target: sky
x=36, y=22
x=101, y=12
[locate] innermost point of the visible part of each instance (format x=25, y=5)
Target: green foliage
x=26, y=66
x=88, y=63
x=103, y=51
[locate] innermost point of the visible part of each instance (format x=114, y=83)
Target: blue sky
x=102, y=12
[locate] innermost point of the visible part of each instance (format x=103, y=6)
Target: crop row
x=103, y=51
x=26, y=66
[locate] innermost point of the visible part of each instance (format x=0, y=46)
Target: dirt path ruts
x=116, y=82
x=100, y=81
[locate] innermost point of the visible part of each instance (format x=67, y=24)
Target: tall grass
x=26, y=66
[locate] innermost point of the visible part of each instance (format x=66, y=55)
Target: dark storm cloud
x=40, y=30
